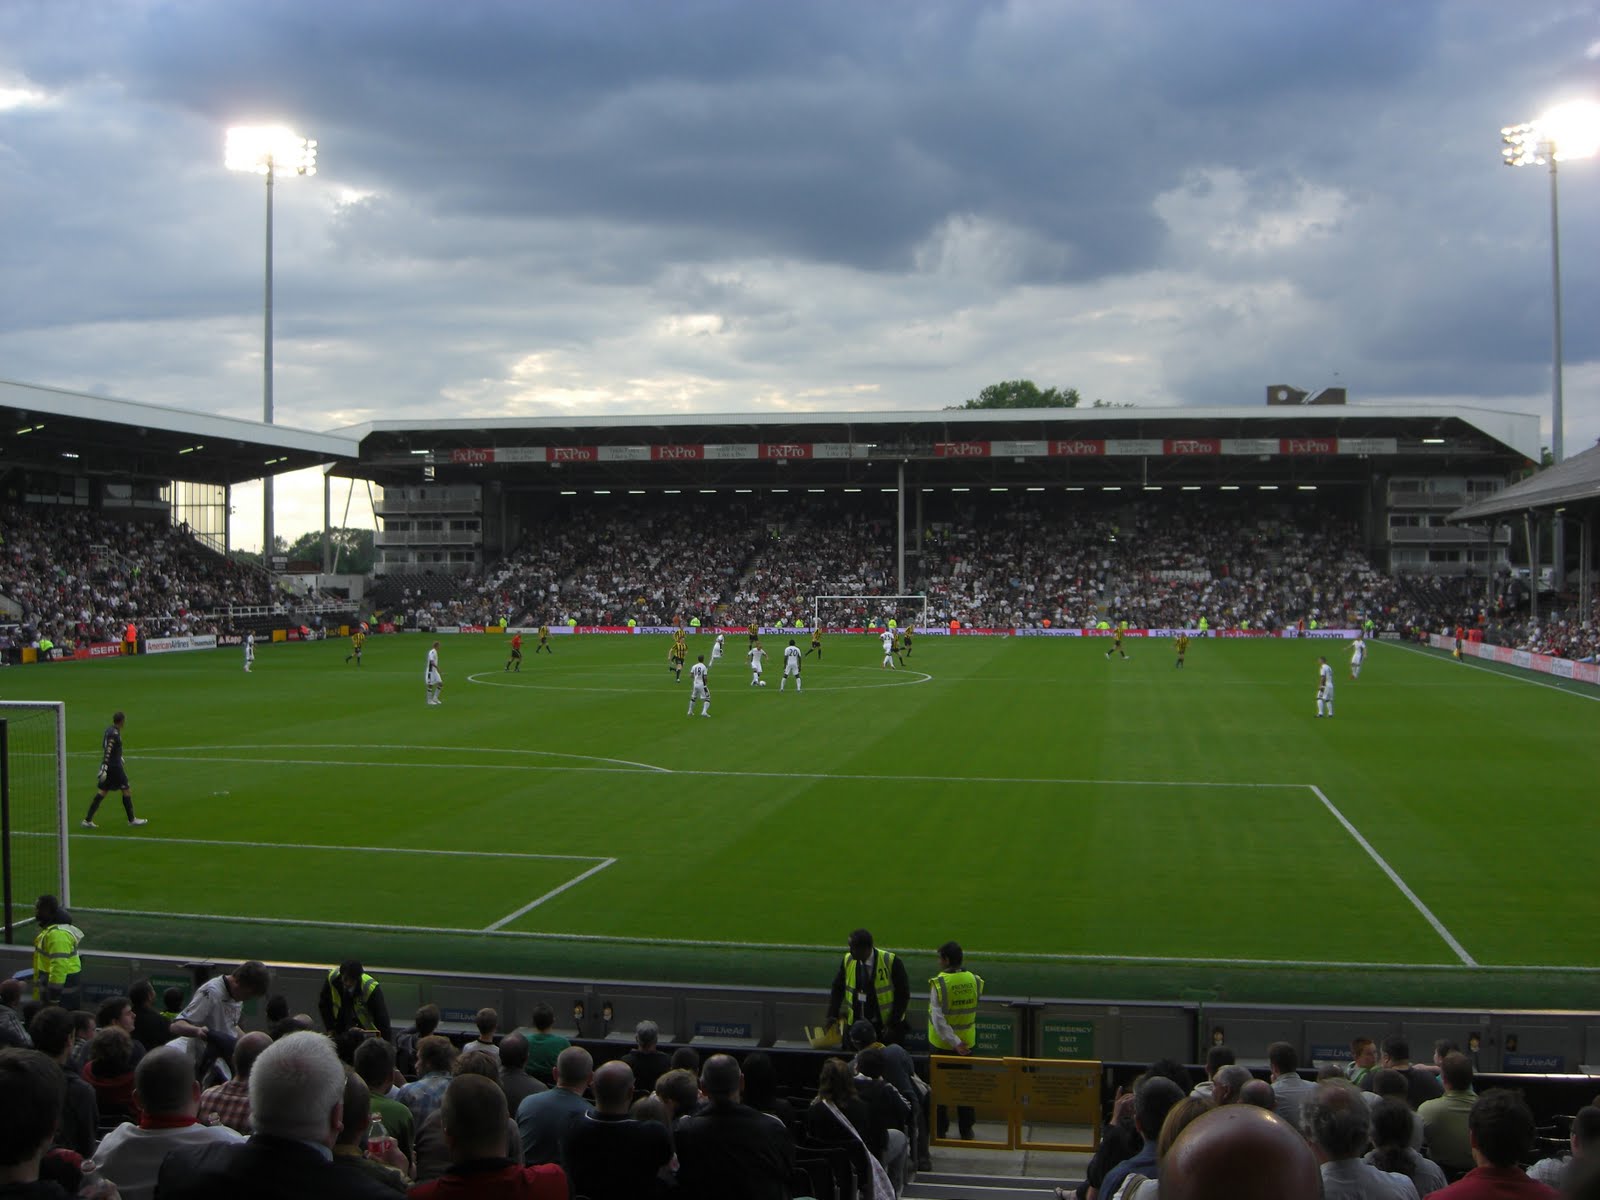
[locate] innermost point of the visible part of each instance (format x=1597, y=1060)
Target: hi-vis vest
x=883, y=984
x=55, y=957
x=363, y=994
x=958, y=999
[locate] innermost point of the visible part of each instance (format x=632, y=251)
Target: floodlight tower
x=267, y=150
x=1568, y=131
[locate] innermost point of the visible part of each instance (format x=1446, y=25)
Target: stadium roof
x=1573, y=482
x=50, y=429
x=1516, y=431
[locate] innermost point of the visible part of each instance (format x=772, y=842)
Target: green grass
x=1083, y=827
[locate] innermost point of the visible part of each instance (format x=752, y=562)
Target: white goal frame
x=59, y=708
x=909, y=601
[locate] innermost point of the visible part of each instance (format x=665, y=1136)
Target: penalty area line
x=1394, y=877
x=550, y=895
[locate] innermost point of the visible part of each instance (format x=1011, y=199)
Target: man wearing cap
x=870, y=985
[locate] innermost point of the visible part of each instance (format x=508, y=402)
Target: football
x=763, y=683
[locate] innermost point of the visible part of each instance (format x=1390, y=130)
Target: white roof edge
x=60, y=402
x=1518, y=431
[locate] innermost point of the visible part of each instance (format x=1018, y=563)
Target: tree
x=352, y=549
x=1021, y=393
x=1111, y=404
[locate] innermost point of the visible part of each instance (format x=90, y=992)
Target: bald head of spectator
x=721, y=1080
x=474, y=1114
x=1228, y=1082
x=246, y=1050
x=1239, y=1153
x=1258, y=1092
x=514, y=1052
x=613, y=1088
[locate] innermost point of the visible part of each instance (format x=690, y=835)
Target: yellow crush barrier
x=1023, y=1092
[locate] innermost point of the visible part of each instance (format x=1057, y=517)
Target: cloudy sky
x=636, y=206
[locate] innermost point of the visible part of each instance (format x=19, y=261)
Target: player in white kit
x=699, y=689
x=431, y=676
x=1358, y=655
x=716, y=651
x=758, y=661
x=888, y=648
x=1324, y=687
x=249, y=650
x=791, y=666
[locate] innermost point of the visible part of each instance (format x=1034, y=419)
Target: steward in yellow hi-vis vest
x=55, y=954
x=352, y=999
x=952, y=1024
x=870, y=985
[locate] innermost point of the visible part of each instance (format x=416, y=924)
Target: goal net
x=848, y=612
x=33, y=809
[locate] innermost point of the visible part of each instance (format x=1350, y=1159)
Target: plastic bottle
x=378, y=1139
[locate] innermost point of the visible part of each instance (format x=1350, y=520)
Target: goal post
x=847, y=611
x=33, y=808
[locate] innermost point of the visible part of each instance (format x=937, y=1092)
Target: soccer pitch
x=1083, y=827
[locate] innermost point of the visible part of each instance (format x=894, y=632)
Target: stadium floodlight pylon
x=904, y=610
x=33, y=807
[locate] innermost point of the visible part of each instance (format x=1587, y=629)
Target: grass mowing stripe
x=1394, y=877
x=551, y=894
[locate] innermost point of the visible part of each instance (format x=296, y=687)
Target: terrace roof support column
x=900, y=532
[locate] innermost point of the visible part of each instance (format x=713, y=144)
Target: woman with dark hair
x=109, y=1071
x=761, y=1089
x=839, y=1117
x=1391, y=1138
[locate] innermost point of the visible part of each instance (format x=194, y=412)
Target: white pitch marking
x=1394, y=877
x=487, y=679
x=550, y=895
x=627, y=763
x=643, y=767
x=719, y=944
x=1488, y=668
x=174, y=841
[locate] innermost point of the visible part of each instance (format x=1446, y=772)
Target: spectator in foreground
x=375, y=1064
x=424, y=1094
x=544, y=1045
x=1337, y=1121
x=515, y=1081
x=433, y=1153
x=610, y=1156
x=1444, y=1121
x=228, y=1103
x=547, y=1119
x=297, y=1108
x=209, y=1024
x=646, y=1060
x=730, y=1151
x=679, y=1091
x=474, y=1115
x=169, y=1102
x=1228, y=1084
x=79, y=1119
x=109, y=1072
x=1501, y=1128
x=31, y=1093
x=1261, y=1094
x=1392, y=1123
x=1239, y=1153
x=389, y=1167
x=1585, y=1142
x=1153, y=1099
x=13, y=1030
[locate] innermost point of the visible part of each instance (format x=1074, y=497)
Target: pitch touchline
x=174, y=841
x=1394, y=877
x=690, y=943
x=1489, y=668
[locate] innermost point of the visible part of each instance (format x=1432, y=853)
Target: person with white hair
x=297, y=1108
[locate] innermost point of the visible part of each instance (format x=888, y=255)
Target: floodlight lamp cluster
x=1566, y=132
x=270, y=150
